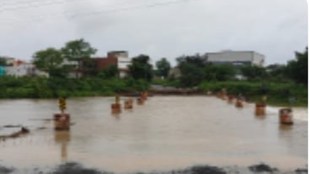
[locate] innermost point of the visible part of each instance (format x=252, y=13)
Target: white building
x=20, y=69
x=122, y=61
x=75, y=66
x=236, y=58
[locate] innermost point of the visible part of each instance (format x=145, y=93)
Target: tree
x=141, y=68
x=298, y=69
x=78, y=50
x=109, y=72
x=192, y=70
x=191, y=75
x=221, y=72
x=253, y=72
x=196, y=60
x=49, y=60
x=2, y=61
x=277, y=72
x=163, y=67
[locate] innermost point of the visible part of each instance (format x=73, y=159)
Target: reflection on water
x=164, y=133
x=62, y=138
x=260, y=117
x=117, y=116
x=283, y=128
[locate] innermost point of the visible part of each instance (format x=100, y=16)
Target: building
x=122, y=61
x=74, y=65
x=118, y=58
x=104, y=62
x=236, y=58
x=20, y=68
x=93, y=65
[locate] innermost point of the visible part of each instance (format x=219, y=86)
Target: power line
x=105, y=11
x=31, y=4
x=36, y=4
x=99, y=12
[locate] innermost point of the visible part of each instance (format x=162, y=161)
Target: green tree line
x=190, y=71
x=40, y=87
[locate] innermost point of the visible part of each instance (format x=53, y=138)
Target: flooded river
x=166, y=133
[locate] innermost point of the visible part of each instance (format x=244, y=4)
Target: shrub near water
x=278, y=93
x=35, y=87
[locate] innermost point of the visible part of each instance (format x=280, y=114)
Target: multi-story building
x=104, y=62
x=236, y=58
x=122, y=61
x=74, y=65
x=119, y=59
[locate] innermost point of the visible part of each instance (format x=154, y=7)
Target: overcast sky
x=159, y=28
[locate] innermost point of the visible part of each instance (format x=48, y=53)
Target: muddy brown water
x=166, y=133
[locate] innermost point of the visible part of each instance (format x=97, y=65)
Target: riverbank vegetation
x=277, y=93
x=38, y=87
x=283, y=84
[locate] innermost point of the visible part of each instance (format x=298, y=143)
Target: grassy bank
x=34, y=87
x=278, y=93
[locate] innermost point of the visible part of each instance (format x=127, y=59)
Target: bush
x=278, y=93
x=35, y=87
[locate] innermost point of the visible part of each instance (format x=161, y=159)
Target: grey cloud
x=275, y=28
